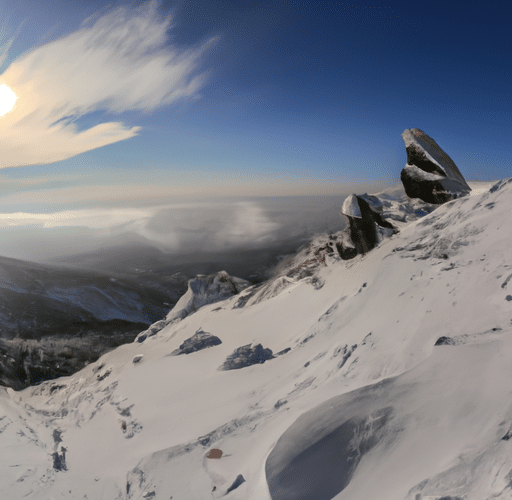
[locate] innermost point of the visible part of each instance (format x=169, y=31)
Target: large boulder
x=247, y=355
x=430, y=174
x=366, y=226
x=199, y=341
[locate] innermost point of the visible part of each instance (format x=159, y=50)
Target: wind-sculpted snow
x=358, y=403
x=317, y=456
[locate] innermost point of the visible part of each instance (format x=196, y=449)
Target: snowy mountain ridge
x=201, y=291
x=356, y=403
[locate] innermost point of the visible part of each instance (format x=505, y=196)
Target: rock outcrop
x=202, y=290
x=199, y=341
x=430, y=174
x=247, y=355
x=366, y=227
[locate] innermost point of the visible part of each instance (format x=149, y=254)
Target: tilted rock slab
x=430, y=174
x=199, y=341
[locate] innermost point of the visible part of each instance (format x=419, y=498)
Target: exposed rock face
x=430, y=174
x=365, y=225
x=247, y=355
x=445, y=341
x=236, y=483
x=202, y=290
x=200, y=340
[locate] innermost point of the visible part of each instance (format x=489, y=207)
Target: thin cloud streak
x=117, y=62
x=147, y=195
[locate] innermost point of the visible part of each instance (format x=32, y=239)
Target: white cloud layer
x=192, y=227
x=118, y=62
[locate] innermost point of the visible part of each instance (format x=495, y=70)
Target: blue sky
x=248, y=98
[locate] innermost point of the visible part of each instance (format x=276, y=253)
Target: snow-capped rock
x=202, y=290
x=430, y=174
x=351, y=208
x=366, y=226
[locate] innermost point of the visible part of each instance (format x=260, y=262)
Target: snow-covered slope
x=357, y=402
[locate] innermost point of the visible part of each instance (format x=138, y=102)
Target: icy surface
x=362, y=406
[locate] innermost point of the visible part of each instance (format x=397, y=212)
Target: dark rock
x=280, y=403
x=284, y=351
x=346, y=252
x=59, y=459
x=247, y=355
x=365, y=226
x=236, y=483
x=430, y=174
x=200, y=340
x=445, y=341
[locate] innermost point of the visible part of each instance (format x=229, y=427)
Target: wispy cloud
x=207, y=226
x=120, y=61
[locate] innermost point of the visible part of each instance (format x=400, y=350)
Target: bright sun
x=7, y=99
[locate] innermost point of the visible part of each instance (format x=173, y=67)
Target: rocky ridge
x=202, y=290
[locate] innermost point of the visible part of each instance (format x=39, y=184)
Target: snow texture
x=363, y=406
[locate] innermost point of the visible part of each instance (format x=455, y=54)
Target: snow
x=419, y=173
x=350, y=207
x=410, y=417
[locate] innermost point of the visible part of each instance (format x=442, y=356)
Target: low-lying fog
x=241, y=234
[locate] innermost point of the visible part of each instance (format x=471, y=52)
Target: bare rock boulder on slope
x=366, y=226
x=430, y=174
x=199, y=341
x=247, y=355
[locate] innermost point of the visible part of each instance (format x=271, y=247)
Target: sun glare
x=7, y=99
